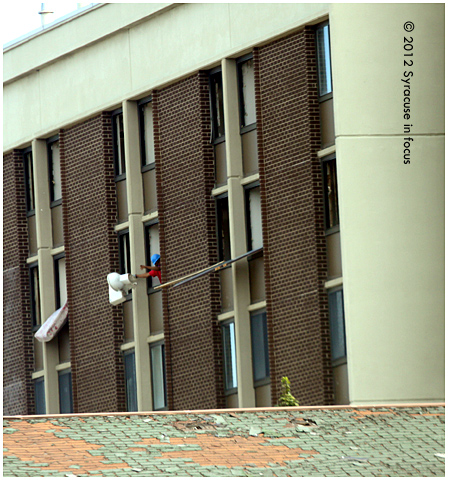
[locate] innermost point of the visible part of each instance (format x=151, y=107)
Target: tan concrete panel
x=367, y=44
x=175, y=43
x=268, y=19
x=73, y=33
x=87, y=79
x=21, y=112
x=145, y=52
x=392, y=239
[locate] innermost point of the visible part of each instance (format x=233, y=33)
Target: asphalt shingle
x=350, y=441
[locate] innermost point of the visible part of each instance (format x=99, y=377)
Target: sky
x=20, y=17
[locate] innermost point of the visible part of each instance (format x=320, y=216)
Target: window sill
x=147, y=167
x=339, y=362
x=325, y=97
x=332, y=283
x=262, y=382
x=230, y=392
x=332, y=230
x=248, y=128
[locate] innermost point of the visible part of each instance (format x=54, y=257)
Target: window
x=146, y=133
x=330, y=192
x=324, y=60
x=229, y=357
x=29, y=180
x=124, y=252
x=35, y=295
x=337, y=325
x=247, y=112
x=223, y=233
x=247, y=97
x=60, y=280
x=253, y=218
x=151, y=247
x=130, y=380
x=65, y=391
x=39, y=395
x=259, y=344
x=119, y=144
x=158, y=381
x=216, y=89
x=54, y=167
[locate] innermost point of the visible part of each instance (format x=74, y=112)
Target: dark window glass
x=224, y=240
x=39, y=395
x=324, y=60
x=247, y=93
x=229, y=356
x=130, y=376
x=216, y=85
x=29, y=181
x=337, y=325
x=35, y=295
x=158, y=379
x=119, y=144
x=259, y=344
x=330, y=193
x=54, y=165
x=124, y=253
x=65, y=392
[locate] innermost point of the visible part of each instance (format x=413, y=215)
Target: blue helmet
x=155, y=258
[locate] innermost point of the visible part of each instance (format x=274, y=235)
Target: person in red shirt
x=154, y=270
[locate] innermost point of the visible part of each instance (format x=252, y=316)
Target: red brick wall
x=91, y=247
x=18, y=390
x=293, y=217
x=185, y=178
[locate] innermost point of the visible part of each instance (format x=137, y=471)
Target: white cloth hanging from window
x=52, y=325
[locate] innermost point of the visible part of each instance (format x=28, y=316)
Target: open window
x=324, y=60
x=118, y=134
x=223, y=232
x=332, y=218
x=35, y=295
x=54, y=170
x=124, y=252
x=218, y=125
x=247, y=110
x=325, y=88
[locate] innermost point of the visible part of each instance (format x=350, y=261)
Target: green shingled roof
x=349, y=441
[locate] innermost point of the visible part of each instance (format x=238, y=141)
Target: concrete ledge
x=235, y=410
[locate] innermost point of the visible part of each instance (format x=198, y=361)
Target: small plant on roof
x=287, y=398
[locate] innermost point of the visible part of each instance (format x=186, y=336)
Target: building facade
x=127, y=133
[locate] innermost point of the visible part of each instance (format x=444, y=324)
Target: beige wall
x=392, y=214
x=122, y=51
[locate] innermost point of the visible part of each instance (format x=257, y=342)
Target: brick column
x=187, y=235
x=293, y=217
x=91, y=247
x=18, y=390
